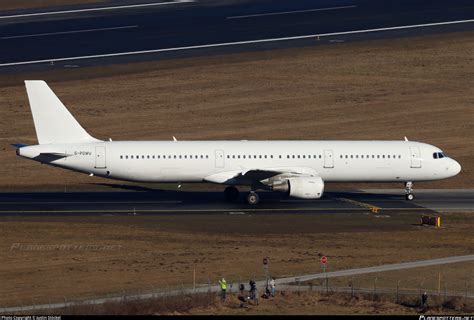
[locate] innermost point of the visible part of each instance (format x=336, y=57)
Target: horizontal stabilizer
x=19, y=145
x=56, y=154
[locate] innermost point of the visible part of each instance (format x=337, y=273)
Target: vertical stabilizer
x=53, y=122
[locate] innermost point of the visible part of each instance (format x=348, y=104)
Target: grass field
x=421, y=88
x=141, y=253
x=284, y=302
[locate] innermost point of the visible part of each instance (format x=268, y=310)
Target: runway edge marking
x=226, y=44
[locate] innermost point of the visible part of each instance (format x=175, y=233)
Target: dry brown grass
x=286, y=302
x=418, y=87
x=161, y=252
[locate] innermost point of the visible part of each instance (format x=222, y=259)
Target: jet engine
x=302, y=187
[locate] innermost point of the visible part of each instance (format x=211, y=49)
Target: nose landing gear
x=409, y=191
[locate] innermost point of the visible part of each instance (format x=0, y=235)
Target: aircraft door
x=328, y=159
x=219, y=158
x=415, y=157
x=100, y=158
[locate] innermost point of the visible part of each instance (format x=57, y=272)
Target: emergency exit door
x=328, y=159
x=100, y=158
x=219, y=158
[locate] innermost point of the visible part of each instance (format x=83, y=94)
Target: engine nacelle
x=306, y=187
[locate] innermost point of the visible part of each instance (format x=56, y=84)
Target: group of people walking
x=270, y=291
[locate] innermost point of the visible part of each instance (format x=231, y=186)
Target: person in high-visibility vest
x=223, y=285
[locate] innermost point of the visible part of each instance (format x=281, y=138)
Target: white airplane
x=299, y=168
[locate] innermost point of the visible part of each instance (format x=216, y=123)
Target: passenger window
x=126, y=157
x=207, y=156
x=265, y=156
x=347, y=156
x=352, y=156
x=298, y=156
x=388, y=156
x=121, y=157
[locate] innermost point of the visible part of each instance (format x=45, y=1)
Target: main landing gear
x=409, y=191
x=252, y=198
x=232, y=194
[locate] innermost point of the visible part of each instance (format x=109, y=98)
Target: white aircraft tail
x=53, y=122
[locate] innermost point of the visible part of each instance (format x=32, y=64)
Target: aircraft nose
x=455, y=167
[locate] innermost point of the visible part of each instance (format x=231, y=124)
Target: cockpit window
x=438, y=155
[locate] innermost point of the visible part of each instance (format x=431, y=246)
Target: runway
x=83, y=37
x=155, y=202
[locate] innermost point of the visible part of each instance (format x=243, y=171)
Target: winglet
x=174, y=138
x=406, y=139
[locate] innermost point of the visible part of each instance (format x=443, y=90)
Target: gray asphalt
x=215, y=288
x=204, y=27
x=183, y=202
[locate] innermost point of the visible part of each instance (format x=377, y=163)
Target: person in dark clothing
x=253, y=291
x=242, y=296
x=424, y=300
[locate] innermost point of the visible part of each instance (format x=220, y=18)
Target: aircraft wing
x=248, y=176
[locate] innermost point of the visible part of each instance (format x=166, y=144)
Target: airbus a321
x=298, y=168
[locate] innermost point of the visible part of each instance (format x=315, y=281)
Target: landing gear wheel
x=409, y=191
x=231, y=193
x=252, y=198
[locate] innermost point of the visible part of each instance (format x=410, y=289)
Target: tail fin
x=53, y=122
